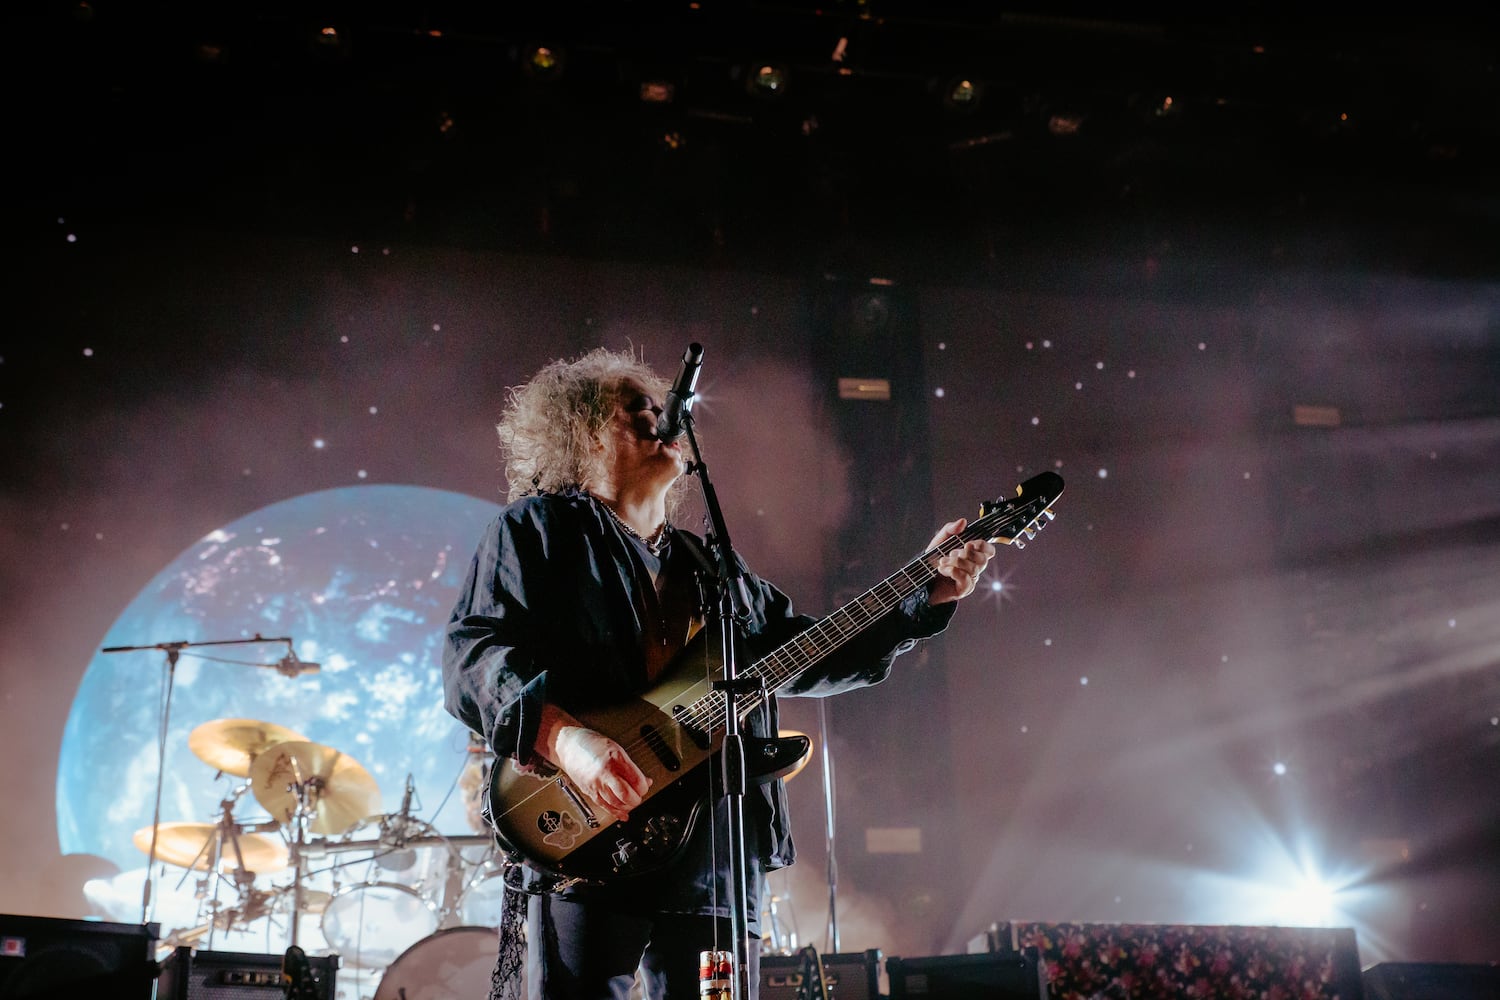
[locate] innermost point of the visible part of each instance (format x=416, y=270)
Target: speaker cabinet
x=1431, y=981
x=997, y=976
x=233, y=975
x=52, y=957
x=846, y=975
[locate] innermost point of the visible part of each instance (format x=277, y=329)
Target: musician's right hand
x=601, y=769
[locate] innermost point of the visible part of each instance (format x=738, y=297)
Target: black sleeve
x=494, y=678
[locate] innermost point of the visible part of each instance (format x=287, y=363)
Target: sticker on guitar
x=561, y=829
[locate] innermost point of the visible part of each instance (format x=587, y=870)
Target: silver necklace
x=654, y=544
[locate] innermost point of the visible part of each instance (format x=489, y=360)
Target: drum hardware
x=775, y=938
x=173, y=651
x=311, y=788
x=223, y=851
x=371, y=921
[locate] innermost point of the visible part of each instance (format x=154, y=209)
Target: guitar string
x=714, y=706
x=924, y=565
x=851, y=610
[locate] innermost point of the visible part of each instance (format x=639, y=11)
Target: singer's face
x=633, y=457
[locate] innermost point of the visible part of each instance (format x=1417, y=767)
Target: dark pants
x=578, y=951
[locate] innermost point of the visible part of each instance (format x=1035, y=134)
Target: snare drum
x=372, y=923
x=456, y=962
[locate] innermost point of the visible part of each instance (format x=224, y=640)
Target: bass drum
x=370, y=925
x=453, y=964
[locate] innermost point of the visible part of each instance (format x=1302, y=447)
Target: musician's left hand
x=959, y=570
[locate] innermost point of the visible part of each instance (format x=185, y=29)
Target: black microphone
x=672, y=422
x=290, y=666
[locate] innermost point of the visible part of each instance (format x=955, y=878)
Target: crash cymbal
x=231, y=745
x=802, y=763
x=336, y=788
x=190, y=845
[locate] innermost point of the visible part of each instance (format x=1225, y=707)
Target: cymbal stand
x=306, y=792
x=243, y=878
x=173, y=650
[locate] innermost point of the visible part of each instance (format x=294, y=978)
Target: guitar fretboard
x=795, y=657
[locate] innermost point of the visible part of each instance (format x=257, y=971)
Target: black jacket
x=555, y=607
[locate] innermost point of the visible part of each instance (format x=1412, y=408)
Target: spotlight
x=1065, y=123
x=962, y=94
x=767, y=80
x=543, y=62
x=328, y=42
x=657, y=92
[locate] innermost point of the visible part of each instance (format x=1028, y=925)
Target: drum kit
x=411, y=912
x=392, y=896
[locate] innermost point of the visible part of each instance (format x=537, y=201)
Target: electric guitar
x=677, y=726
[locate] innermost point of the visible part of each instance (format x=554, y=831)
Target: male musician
x=581, y=593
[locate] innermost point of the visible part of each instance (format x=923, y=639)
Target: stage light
x=1307, y=902
x=329, y=43
x=962, y=94
x=657, y=92
x=1065, y=123
x=543, y=62
x=767, y=81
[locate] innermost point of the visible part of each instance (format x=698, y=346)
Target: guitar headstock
x=1016, y=520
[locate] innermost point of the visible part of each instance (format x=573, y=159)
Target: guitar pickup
x=658, y=745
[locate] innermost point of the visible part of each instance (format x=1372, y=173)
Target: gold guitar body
x=540, y=815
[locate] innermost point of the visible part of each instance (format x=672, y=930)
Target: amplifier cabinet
x=52, y=957
x=851, y=975
x=233, y=975
x=996, y=976
x=1431, y=981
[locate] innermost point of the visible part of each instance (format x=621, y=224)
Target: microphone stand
x=733, y=602
x=172, y=649
x=833, y=867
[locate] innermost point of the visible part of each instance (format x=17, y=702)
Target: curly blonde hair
x=550, y=425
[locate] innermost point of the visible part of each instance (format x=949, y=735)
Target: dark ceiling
x=1089, y=126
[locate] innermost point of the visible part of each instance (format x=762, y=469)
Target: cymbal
x=231, y=745
x=339, y=792
x=803, y=763
x=190, y=845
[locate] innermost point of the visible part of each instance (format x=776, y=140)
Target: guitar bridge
x=578, y=802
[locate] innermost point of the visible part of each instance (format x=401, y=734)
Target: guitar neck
x=1002, y=521
x=794, y=658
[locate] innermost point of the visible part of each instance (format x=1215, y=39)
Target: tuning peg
x=1030, y=532
x=1049, y=515
x=1017, y=542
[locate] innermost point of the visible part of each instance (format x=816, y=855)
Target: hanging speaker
x=50, y=957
